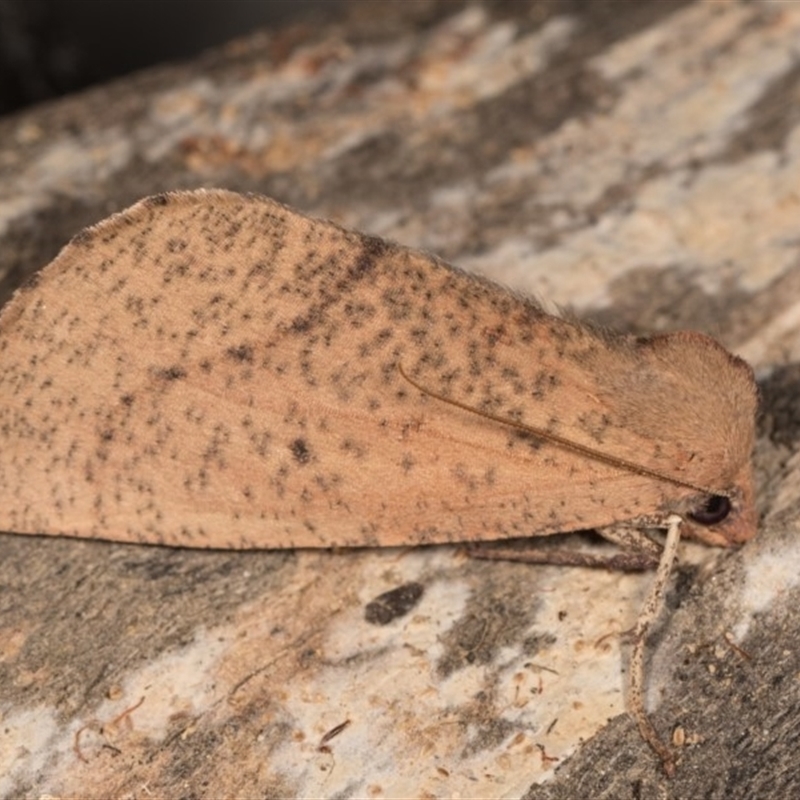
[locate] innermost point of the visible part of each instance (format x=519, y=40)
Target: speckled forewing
x=213, y=370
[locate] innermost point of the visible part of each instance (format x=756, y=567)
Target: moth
x=208, y=369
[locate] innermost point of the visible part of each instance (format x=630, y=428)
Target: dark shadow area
x=53, y=47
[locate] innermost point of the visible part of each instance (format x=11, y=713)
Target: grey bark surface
x=637, y=163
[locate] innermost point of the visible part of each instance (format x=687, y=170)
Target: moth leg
x=639, y=553
x=635, y=543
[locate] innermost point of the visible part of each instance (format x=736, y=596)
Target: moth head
x=711, y=430
x=724, y=519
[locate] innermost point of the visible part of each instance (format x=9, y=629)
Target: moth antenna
x=655, y=599
x=560, y=441
x=650, y=611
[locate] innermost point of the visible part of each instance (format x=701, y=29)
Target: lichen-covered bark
x=639, y=164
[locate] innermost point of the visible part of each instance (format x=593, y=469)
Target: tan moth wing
x=213, y=370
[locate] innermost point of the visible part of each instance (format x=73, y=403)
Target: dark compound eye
x=714, y=510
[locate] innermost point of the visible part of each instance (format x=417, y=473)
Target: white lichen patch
x=408, y=726
x=56, y=756
x=770, y=572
